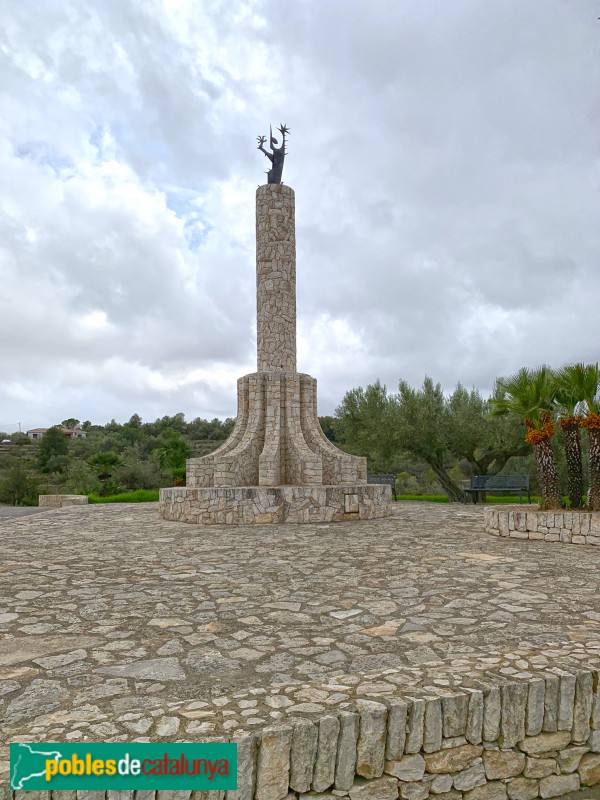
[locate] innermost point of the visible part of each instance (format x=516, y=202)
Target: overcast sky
x=446, y=163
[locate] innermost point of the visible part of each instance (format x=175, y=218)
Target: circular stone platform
x=275, y=504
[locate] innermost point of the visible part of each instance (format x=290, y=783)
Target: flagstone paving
x=116, y=625
x=6, y=512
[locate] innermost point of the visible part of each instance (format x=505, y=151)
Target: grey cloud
x=445, y=161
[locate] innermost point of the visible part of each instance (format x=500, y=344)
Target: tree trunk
x=547, y=475
x=454, y=492
x=594, y=440
x=574, y=463
x=496, y=459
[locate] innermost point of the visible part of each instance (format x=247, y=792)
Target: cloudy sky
x=446, y=163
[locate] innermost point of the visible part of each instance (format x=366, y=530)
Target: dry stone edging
x=346, y=754
x=61, y=500
x=566, y=527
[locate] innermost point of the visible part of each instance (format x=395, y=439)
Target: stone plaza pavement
x=116, y=625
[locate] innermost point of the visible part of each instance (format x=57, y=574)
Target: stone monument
x=277, y=465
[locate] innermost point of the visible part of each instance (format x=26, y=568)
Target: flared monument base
x=276, y=441
x=263, y=505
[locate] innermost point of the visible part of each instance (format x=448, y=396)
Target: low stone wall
x=537, y=737
x=570, y=527
x=262, y=505
x=61, y=500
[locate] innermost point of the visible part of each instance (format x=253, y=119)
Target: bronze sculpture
x=277, y=154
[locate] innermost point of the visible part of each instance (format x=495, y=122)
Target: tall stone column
x=276, y=278
x=277, y=465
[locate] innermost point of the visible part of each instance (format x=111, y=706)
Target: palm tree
x=584, y=380
x=568, y=399
x=172, y=455
x=528, y=394
x=105, y=463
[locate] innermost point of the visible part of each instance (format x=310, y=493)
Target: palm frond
x=526, y=394
x=582, y=382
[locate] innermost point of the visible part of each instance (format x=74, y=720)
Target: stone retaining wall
x=569, y=527
x=263, y=505
x=61, y=500
x=538, y=737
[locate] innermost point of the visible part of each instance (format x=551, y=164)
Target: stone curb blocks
x=303, y=753
x=324, y=771
x=247, y=749
x=345, y=767
x=371, y=738
x=61, y=500
x=368, y=753
x=273, y=769
x=576, y=527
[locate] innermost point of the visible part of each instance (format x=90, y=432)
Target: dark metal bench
x=390, y=479
x=507, y=484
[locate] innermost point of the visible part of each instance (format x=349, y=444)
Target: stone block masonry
x=276, y=278
x=277, y=440
x=264, y=505
x=61, y=500
x=566, y=527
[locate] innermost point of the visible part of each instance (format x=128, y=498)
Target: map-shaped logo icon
x=28, y=761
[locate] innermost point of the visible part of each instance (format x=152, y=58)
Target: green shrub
x=53, y=443
x=406, y=483
x=18, y=487
x=82, y=478
x=136, y=473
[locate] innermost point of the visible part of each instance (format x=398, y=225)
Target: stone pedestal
x=277, y=465
x=257, y=505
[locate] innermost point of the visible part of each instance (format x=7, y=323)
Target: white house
x=70, y=433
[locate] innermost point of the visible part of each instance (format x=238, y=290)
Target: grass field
x=151, y=496
x=442, y=498
x=139, y=496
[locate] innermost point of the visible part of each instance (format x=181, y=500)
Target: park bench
x=507, y=484
x=390, y=479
